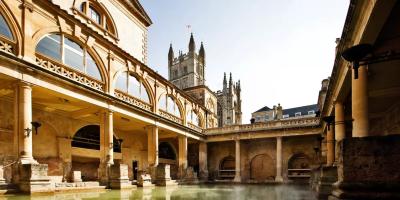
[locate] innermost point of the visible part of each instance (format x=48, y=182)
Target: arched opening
x=8, y=42
x=167, y=155
x=193, y=118
x=168, y=104
x=227, y=168
x=85, y=151
x=299, y=167
x=262, y=168
x=132, y=86
x=88, y=137
x=62, y=49
x=166, y=151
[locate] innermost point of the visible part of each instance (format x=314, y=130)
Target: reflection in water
x=220, y=192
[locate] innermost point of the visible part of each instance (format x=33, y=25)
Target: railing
x=271, y=125
x=69, y=73
x=132, y=100
x=170, y=116
x=194, y=127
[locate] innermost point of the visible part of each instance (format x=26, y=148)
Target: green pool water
x=220, y=192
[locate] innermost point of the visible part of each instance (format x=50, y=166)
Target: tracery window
x=193, y=118
x=97, y=15
x=168, y=104
x=130, y=84
x=64, y=50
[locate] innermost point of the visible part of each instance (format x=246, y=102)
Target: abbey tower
x=187, y=72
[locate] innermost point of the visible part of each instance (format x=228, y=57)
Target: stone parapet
x=368, y=168
x=163, y=177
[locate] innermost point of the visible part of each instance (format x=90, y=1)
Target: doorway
x=135, y=169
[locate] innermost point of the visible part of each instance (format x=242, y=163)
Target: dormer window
x=311, y=112
x=298, y=114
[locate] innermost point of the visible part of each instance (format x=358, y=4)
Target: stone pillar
x=182, y=161
x=152, y=150
x=64, y=153
x=23, y=111
x=106, y=145
x=203, y=168
x=359, y=100
x=278, y=177
x=330, y=144
x=340, y=130
x=238, y=177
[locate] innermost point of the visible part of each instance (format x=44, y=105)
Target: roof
x=303, y=109
x=137, y=9
x=265, y=108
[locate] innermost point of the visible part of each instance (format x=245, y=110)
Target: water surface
x=217, y=192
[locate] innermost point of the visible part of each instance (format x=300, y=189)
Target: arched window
x=64, y=50
x=97, y=14
x=193, y=118
x=168, y=104
x=88, y=137
x=5, y=29
x=131, y=85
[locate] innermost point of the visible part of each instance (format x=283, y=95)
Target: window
x=193, y=118
x=97, y=14
x=297, y=114
x=168, y=104
x=311, y=112
x=258, y=118
x=70, y=53
x=175, y=73
x=285, y=116
x=185, y=70
x=266, y=117
x=131, y=85
x=94, y=15
x=5, y=29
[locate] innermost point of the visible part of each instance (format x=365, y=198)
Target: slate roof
x=265, y=108
x=303, y=109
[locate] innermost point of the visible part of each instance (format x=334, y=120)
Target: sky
x=280, y=50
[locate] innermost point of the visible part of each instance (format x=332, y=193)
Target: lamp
x=355, y=53
x=36, y=125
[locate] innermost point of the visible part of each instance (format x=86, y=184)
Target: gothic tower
x=187, y=70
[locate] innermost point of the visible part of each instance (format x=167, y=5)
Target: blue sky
x=279, y=49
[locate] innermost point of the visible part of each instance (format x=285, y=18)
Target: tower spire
x=202, y=54
x=192, y=45
x=170, y=55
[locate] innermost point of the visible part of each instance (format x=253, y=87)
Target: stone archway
x=86, y=156
x=227, y=168
x=299, y=167
x=262, y=168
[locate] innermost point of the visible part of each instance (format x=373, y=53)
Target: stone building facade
x=265, y=113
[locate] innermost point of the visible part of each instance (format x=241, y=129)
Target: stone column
x=330, y=144
x=23, y=111
x=237, y=178
x=182, y=161
x=106, y=145
x=152, y=145
x=152, y=150
x=278, y=177
x=203, y=168
x=359, y=100
x=340, y=130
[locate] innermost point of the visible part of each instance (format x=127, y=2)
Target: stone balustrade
x=69, y=73
x=271, y=125
x=133, y=101
x=170, y=116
